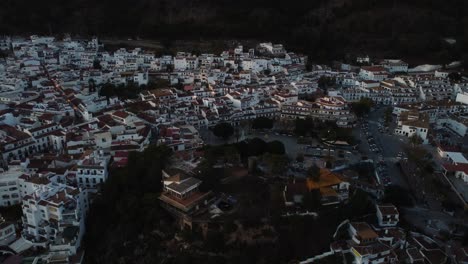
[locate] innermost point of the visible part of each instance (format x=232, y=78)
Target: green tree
x=256, y=147
x=223, y=130
x=398, y=196
x=415, y=140
x=92, y=85
x=388, y=116
x=359, y=204
x=107, y=90
x=215, y=241
x=455, y=77
x=97, y=65
x=230, y=154
x=325, y=82
x=300, y=157
x=304, y=127
x=262, y=123
x=362, y=107
x=130, y=198
x=278, y=163
x=158, y=84
x=311, y=200
x=313, y=172
x=3, y=54
x=276, y=147
x=465, y=237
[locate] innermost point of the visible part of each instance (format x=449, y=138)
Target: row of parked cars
x=370, y=139
x=401, y=155
x=373, y=145
x=382, y=171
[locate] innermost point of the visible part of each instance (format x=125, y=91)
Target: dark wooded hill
x=323, y=28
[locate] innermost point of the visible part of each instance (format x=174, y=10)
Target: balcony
x=38, y=242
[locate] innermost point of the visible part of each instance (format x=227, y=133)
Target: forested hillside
x=323, y=28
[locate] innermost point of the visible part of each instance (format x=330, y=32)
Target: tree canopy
x=278, y=163
x=262, y=123
x=398, y=196
x=256, y=147
x=388, y=116
x=223, y=130
x=315, y=28
x=127, y=207
x=325, y=82
x=362, y=107
x=276, y=147
x=415, y=140
x=128, y=91
x=313, y=172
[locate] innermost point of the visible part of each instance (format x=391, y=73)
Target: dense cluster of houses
x=381, y=240
x=58, y=136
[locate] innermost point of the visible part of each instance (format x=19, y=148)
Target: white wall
x=462, y=98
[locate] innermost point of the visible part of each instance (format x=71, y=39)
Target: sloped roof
x=327, y=179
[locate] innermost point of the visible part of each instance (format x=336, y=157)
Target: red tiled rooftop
x=456, y=167
x=121, y=114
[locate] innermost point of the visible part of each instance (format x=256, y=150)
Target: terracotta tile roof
x=121, y=114
x=327, y=179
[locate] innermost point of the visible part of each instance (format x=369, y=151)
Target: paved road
x=389, y=144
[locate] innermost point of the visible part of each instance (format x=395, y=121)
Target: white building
x=92, y=170
x=180, y=63
x=56, y=219
x=457, y=124
x=373, y=73
x=387, y=215
x=5, y=43
x=462, y=98
x=7, y=232
x=9, y=190
x=395, y=66
x=414, y=127
x=33, y=183
x=141, y=78
x=363, y=59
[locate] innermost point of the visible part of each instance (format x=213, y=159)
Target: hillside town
x=73, y=112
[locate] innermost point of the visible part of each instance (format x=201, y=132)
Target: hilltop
x=322, y=28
